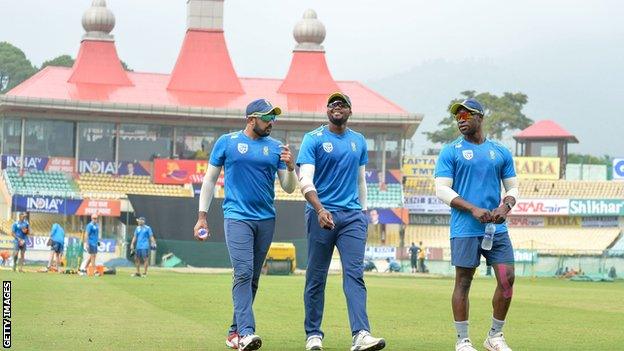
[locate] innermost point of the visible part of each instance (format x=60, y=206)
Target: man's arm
x=306, y=177
x=499, y=215
x=445, y=192
x=362, y=190
x=205, y=198
x=287, y=177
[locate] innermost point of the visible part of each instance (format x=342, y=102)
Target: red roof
x=98, y=63
x=545, y=129
x=308, y=74
x=151, y=88
x=204, y=64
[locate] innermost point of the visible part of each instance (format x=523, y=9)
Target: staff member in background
x=57, y=244
x=143, y=237
x=20, y=231
x=92, y=232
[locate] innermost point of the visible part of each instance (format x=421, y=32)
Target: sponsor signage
x=590, y=222
x=523, y=221
x=618, y=169
x=426, y=204
x=46, y=204
x=141, y=168
x=387, y=216
x=168, y=171
x=390, y=177
x=419, y=166
x=52, y=164
x=597, y=207
x=537, y=167
x=525, y=256
x=544, y=207
x=429, y=219
x=567, y=221
x=380, y=252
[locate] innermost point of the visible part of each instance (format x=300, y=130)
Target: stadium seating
x=40, y=183
x=572, y=189
x=280, y=194
x=560, y=241
x=390, y=197
x=106, y=186
x=39, y=226
x=419, y=186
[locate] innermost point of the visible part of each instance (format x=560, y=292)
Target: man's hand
x=326, y=221
x=499, y=215
x=287, y=157
x=201, y=224
x=482, y=215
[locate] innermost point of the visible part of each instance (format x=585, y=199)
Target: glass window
x=144, y=142
x=12, y=136
x=96, y=141
x=195, y=143
x=47, y=138
x=544, y=149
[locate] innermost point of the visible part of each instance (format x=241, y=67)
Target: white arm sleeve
x=444, y=190
x=511, y=187
x=288, y=180
x=207, y=189
x=306, y=178
x=362, y=188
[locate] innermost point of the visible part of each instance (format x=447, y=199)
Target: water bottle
x=488, y=238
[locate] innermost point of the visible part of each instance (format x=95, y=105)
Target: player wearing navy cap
x=468, y=177
x=251, y=158
x=332, y=162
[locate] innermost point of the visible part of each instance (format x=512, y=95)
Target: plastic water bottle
x=488, y=238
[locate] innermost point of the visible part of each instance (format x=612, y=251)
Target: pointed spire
x=204, y=63
x=308, y=72
x=97, y=61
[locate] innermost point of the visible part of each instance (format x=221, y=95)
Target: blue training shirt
x=17, y=229
x=92, y=231
x=57, y=234
x=477, y=172
x=143, y=234
x=336, y=159
x=250, y=167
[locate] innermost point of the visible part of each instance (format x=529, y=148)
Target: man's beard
x=338, y=122
x=260, y=132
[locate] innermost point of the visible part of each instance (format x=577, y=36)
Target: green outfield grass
x=174, y=311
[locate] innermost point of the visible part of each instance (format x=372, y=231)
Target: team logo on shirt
x=328, y=147
x=353, y=146
x=492, y=155
x=242, y=148
x=265, y=151
x=467, y=154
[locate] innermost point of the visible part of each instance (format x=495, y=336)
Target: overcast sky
x=378, y=41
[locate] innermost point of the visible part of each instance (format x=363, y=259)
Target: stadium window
x=11, y=136
x=544, y=149
x=195, y=143
x=48, y=138
x=144, y=142
x=96, y=141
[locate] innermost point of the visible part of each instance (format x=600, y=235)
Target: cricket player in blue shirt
x=251, y=158
x=332, y=161
x=142, y=241
x=468, y=177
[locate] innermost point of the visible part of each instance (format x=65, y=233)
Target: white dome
x=98, y=21
x=309, y=32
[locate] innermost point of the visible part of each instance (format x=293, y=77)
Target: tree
x=502, y=114
x=589, y=159
x=60, y=61
x=14, y=67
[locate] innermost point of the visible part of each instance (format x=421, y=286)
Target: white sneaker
x=364, y=341
x=314, y=342
x=249, y=342
x=232, y=341
x=496, y=342
x=464, y=345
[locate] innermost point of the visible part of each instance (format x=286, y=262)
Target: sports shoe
x=496, y=342
x=314, y=342
x=464, y=345
x=136, y=275
x=364, y=341
x=249, y=342
x=232, y=341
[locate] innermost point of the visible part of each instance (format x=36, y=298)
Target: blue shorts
x=92, y=249
x=17, y=247
x=466, y=252
x=142, y=253
x=57, y=247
